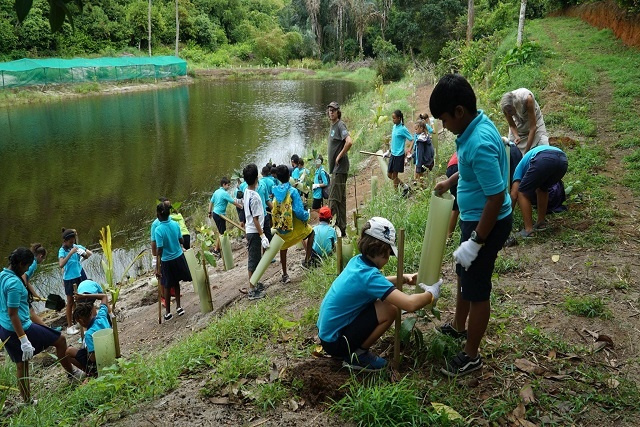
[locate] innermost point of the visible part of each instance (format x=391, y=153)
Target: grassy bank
x=577, y=385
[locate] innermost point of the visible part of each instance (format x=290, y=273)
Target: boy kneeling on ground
x=361, y=304
x=85, y=358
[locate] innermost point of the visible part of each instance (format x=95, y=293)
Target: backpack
x=325, y=190
x=282, y=214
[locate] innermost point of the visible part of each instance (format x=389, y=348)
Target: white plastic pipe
x=199, y=283
x=227, y=253
x=274, y=247
x=382, y=163
x=435, y=238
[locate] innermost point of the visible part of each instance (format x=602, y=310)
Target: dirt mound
x=322, y=380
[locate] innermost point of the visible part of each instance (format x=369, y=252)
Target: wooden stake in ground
x=372, y=154
x=232, y=222
x=155, y=282
x=75, y=292
x=399, y=282
x=25, y=382
x=339, y=254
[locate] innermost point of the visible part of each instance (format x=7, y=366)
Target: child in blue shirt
x=320, y=181
x=423, y=151
x=361, y=304
x=485, y=212
x=171, y=265
x=265, y=189
x=69, y=257
x=218, y=206
x=325, y=237
x=40, y=253
x=399, y=135
x=93, y=322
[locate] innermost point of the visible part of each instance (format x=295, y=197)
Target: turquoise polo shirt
x=13, y=294
x=220, y=200
x=168, y=238
x=268, y=185
x=359, y=285
x=72, y=269
x=32, y=269
x=324, y=239
x=320, y=177
x=523, y=166
x=101, y=321
x=261, y=189
x=89, y=287
x=482, y=163
x=399, y=134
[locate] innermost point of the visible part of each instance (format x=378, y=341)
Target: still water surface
x=105, y=160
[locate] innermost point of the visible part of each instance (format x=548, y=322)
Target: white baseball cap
x=383, y=230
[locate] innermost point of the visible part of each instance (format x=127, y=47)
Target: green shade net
x=26, y=72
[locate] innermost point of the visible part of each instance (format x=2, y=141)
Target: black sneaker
x=259, y=287
x=285, y=278
x=448, y=329
x=255, y=294
x=306, y=265
x=461, y=365
x=367, y=362
x=217, y=254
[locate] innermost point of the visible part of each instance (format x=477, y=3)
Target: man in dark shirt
x=339, y=144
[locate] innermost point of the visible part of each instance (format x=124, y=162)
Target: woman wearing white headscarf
x=526, y=125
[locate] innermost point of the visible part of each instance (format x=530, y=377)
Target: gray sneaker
x=260, y=287
x=285, y=278
x=255, y=294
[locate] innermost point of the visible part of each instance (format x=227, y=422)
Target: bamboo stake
x=339, y=254
x=371, y=154
x=232, y=222
x=399, y=283
x=75, y=292
x=26, y=381
x=206, y=280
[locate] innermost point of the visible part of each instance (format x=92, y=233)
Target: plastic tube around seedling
x=435, y=238
x=382, y=163
x=227, y=254
x=198, y=280
x=105, y=348
x=374, y=186
x=274, y=247
x=347, y=253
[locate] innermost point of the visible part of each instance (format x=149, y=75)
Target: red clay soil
x=607, y=14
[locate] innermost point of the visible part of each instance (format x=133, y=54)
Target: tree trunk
x=470, y=17
x=149, y=26
x=523, y=9
x=177, y=28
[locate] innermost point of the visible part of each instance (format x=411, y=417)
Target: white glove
x=265, y=241
x=27, y=348
x=314, y=186
x=80, y=251
x=466, y=253
x=154, y=262
x=387, y=154
x=434, y=289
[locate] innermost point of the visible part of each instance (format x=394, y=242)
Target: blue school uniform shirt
x=268, y=183
x=482, y=163
x=262, y=191
x=324, y=238
x=523, y=166
x=220, y=200
x=295, y=174
x=101, y=321
x=399, y=134
x=32, y=269
x=320, y=177
x=359, y=285
x=168, y=238
x=13, y=294
x=72, y=269
x=89, y=287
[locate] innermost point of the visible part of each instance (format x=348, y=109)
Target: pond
x=104, y=160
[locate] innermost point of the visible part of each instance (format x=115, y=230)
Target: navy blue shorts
x=267, y=226
x=396, y=164
x=454, y=189
x=175, y=270
x=545, y=169
x=68, y=284
x=353, y=335
x=241, y=216
x=475, y=283
x=41, y=337
x=317, y=204
x=82, y=356
x=254, y=245
x=220, y=223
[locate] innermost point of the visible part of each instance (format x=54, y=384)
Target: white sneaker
x=76, y=375
x=72, y=330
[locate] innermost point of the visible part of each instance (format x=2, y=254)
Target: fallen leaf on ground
x=293, y=405
x=274, y=374
x=526, y=394
x=551, y=355
x=599, y=345
x=219, y=400
x=555, y=258
x=605, y=338
x=529, y=367
x=520, y=411
x=613, y=383
x=592, y=333
x=452, y=414
x=557, y=377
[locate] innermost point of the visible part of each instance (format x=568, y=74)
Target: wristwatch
x=475, y=238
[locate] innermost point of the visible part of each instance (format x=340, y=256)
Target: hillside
x=256, y=363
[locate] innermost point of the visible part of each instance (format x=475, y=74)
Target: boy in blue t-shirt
x=320, y=181
x=325, y=238
x=218, y=206
x=93, y=322
x=171, y=265
x=485, y=212
x=361, y=304
x=69, y=257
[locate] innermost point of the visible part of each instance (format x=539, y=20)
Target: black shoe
x=448, y=329
x=461, y=365
x=306, y=265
